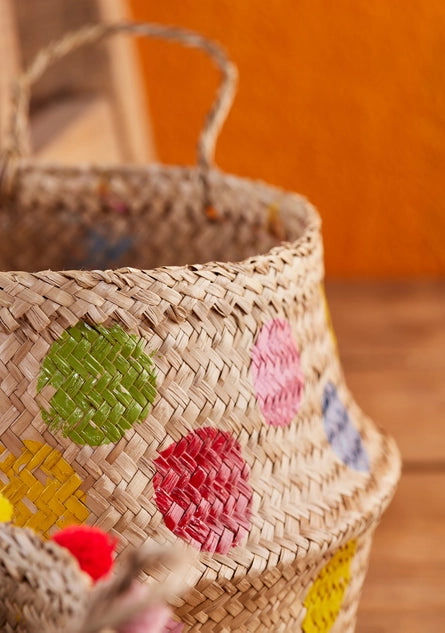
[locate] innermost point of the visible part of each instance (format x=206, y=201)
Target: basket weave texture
x=171, y=373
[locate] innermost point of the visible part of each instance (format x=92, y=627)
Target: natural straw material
x=43, y=590
x=178, y=378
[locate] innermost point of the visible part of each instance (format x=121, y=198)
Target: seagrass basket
x=170, y=373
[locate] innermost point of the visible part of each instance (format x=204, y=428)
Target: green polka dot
x=95, y=383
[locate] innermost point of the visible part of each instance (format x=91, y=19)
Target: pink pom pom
x=150, y=620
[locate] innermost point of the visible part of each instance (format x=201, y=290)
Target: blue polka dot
x=341, y=433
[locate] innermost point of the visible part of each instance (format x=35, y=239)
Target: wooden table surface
x=391, y=339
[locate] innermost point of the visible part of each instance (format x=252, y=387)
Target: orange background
x=342, y=101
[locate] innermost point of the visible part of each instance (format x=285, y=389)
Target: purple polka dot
x=276, y=373
x=342, y=435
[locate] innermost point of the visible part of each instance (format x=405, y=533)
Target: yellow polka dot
x=43, y=488
x=6, y=509
x=324, y=598
x=328, y=314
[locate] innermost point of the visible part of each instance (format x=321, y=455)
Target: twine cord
x=105, y=608
x=17, y=139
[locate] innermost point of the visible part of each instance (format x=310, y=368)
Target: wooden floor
x=392, y=342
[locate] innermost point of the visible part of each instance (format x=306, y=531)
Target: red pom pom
x=92, y=548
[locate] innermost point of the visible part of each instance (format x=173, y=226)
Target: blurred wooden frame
x=93, y=114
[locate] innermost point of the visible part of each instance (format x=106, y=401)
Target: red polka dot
x=201, y=489
x=276, y=373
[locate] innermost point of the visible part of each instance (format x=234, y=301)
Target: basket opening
x=65, y=218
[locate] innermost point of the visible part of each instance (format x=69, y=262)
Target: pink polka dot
x=276, y=373
x=202, y=490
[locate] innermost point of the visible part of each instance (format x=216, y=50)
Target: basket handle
x=17, y=144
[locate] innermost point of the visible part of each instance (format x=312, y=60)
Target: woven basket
x=179, y=379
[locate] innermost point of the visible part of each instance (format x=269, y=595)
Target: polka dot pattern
x=202, y=490
x=42, y=487
x=95, y=383
x=324, y=599
x=327, y=314
x=6, y=510
x=276, y=373
x=342, y=435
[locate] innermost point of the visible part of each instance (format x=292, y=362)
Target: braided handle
x=18, y=133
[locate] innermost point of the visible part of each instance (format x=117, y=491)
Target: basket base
x=279, y=600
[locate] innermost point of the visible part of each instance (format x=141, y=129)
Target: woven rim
x=299, y=220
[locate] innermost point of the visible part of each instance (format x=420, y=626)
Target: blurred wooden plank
x=100, y=84
x=76, y=131
x=41, y=22
x=391, y=339
x=133, y=125
x=10, y=60
x=405, y=587
x=388, y=317
x=409, y=403
x=403, y=621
